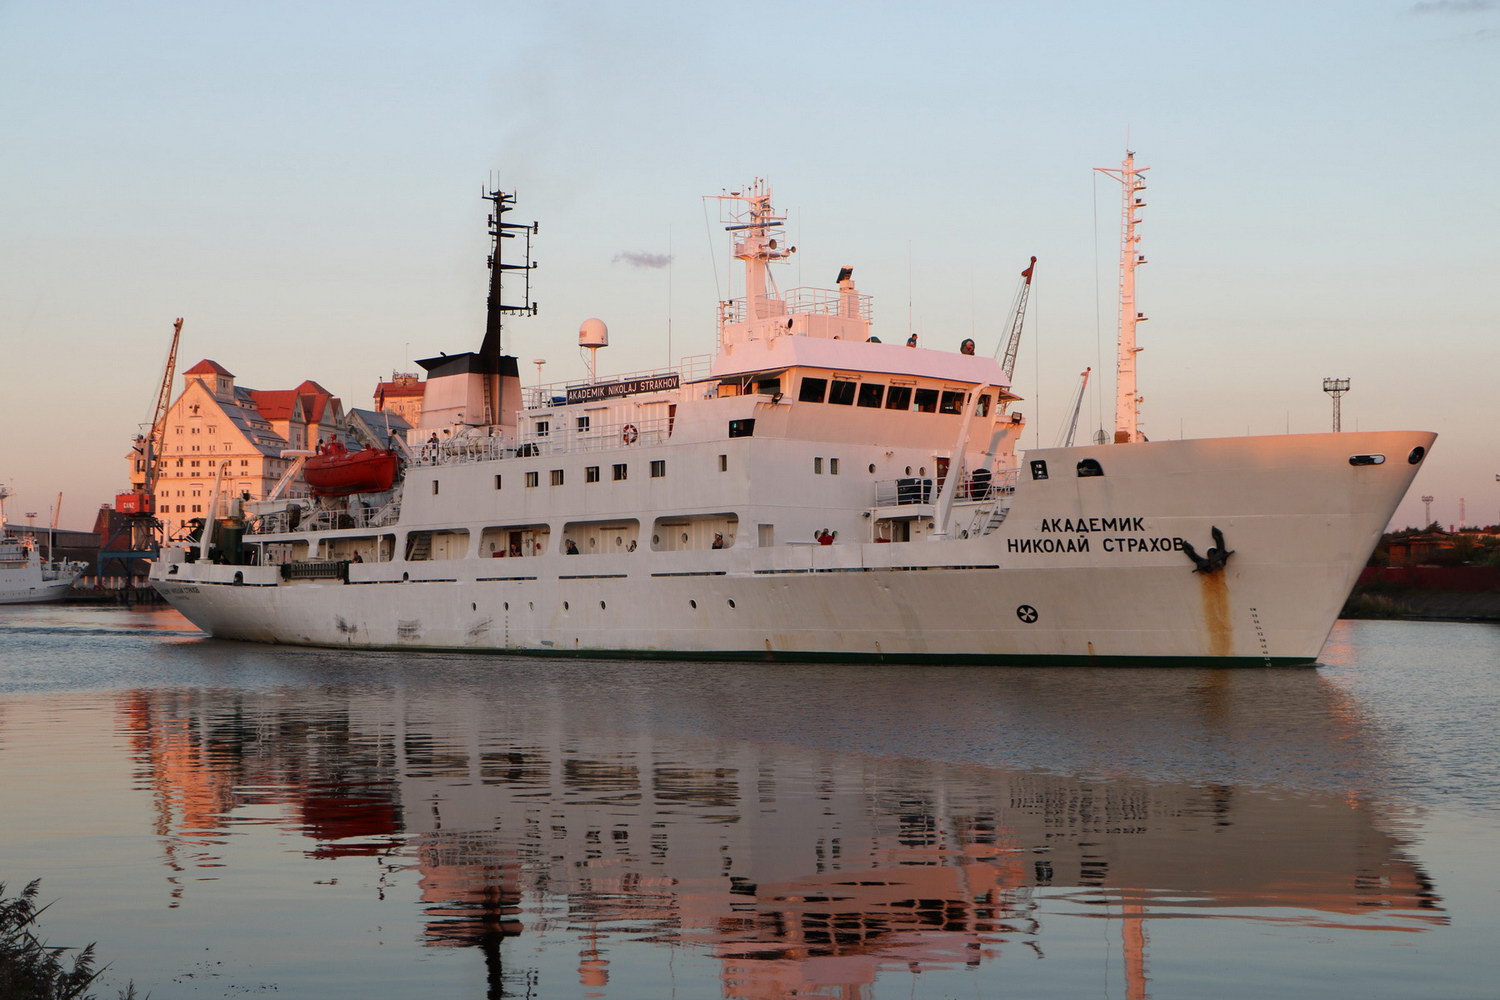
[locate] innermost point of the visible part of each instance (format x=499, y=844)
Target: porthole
x=922, y=471
x=655, y=539
x=506, y=605
x=565, y=605
x=1417, y=454
x=473, y=606
x=692, y=604
x=601, y=605
x=531, y=605
x=731, y=602
x=405, y=577
x=684, y=537
x=872, y=468
x=908, y=470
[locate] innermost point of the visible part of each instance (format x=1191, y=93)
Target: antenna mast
x=1127, y=403
x=497, y=308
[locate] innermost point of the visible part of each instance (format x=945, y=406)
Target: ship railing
x=595, y=437
x=460, y=450
x=546, y=396
x=990, y=511
x=355, y=514
x=980, y=486
x=816, y=301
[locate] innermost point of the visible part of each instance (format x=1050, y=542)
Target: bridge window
x=742, y=428
x=927, y=400
x=871, y=394
x=842, y=393
x=898, y=398
x=953, y=402
x=813, y=390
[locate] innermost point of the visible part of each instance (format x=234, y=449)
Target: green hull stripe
x=806, y=656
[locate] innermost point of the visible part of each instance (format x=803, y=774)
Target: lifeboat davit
x=335, y=471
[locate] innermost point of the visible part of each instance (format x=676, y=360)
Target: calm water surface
x=238, y=820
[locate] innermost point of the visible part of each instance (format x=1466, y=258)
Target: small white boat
x=25, y=578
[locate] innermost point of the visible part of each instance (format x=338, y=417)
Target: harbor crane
x=1018, y=317
x=1065, y=439
x=139, y=505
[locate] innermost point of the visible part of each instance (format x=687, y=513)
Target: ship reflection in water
x=810, y=830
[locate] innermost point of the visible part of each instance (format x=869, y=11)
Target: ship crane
x=1018, y=318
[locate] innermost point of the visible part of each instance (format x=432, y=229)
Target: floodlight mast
x=1336, y=387
x=1127, y=403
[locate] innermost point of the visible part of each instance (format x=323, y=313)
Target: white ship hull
x=1082, y=570
x=25, y=579
x=23, y=588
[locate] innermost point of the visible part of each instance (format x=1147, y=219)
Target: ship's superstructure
x=807, y=492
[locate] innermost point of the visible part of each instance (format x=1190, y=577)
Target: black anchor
x=1214, y=559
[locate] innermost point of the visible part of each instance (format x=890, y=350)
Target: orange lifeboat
x=335, y=471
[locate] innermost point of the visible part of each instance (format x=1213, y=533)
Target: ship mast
x=1127, y=402
x=759, y=238
x=497, y=310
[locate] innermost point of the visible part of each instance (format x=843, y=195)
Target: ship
x=807, y=492
x=25, y=577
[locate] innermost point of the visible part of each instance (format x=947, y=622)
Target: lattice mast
x=496, y=307
x=1127, y=402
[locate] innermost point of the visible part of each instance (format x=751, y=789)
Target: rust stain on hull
x=1216, y=623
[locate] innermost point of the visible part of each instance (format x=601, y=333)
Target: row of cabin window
x=876, y=394
x=590, y=474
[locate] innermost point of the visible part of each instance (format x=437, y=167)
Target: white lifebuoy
x=630, y=435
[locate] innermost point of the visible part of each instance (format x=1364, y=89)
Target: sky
x=301, y=182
